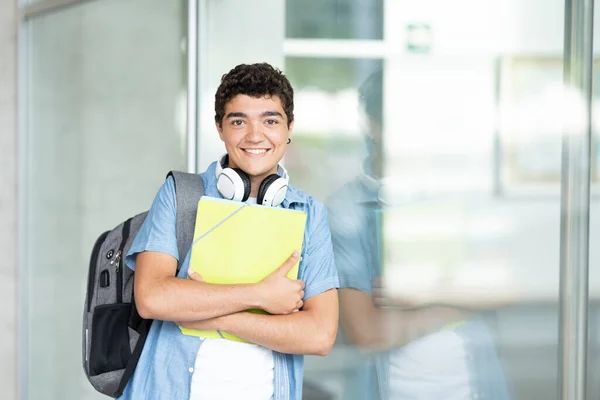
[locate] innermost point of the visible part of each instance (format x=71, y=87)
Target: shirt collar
x=292, y=196
x=367, y=190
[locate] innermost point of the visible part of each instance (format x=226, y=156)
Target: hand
x=382, y=298
x=193, y=275
x=278, y=293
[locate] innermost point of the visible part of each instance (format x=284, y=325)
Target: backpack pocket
x=109, y=350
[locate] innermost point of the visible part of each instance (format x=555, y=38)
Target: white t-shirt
x=432, y=367
x=225, y=370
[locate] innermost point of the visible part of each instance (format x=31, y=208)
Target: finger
x=302, y=294
x=289, y=264
x=301, y=283
x=378, y=301
x=377, y=282
x=194, y=275
x=299, y=304
x=378, y=293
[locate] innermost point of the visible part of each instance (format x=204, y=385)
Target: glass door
x=105, y=123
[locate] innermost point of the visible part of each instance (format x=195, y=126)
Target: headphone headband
x=234, y=184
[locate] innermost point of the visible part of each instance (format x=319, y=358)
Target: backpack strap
x=189, y=188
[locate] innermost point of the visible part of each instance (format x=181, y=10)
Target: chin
x=257, y=170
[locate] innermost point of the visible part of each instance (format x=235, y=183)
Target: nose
x=255, y=133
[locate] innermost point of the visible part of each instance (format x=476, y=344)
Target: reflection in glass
x=448, y=259
x=418, y=336
x=329, y=124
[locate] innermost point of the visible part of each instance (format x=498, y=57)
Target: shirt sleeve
x=158, y=231
x=317, y=267
x=352, y=254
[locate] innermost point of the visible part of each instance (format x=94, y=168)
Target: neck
x=373, y=168
x=255, y=182
x=254, y=185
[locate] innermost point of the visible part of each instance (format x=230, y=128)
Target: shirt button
x=191, y=369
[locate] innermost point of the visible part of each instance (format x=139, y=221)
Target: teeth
x=256, y=151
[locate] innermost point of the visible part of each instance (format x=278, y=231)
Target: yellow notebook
x=237, y=243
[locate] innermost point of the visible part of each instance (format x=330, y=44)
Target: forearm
x=475, y=300
x=176, y=299
x=296, y=333
x=388, y=328
x=407, y=326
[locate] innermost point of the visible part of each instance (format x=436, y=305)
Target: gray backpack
x=113, y=331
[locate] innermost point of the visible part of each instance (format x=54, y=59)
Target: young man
x=254, y=118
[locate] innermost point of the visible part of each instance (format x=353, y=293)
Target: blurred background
x=470, y=103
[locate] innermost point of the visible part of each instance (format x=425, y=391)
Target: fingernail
x=295, y=253
x=191, y=271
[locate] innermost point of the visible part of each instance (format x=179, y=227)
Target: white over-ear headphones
x=375, y=186
x=234, y=184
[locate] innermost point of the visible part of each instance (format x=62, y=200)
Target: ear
x=220, y=130
x=291, y=129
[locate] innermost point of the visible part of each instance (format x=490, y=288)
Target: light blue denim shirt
x=166, y=364
x=353, y=213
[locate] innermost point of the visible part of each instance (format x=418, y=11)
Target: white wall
x=8, y=199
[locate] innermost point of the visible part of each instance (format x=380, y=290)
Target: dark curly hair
x=371, y=96
x=254, y=80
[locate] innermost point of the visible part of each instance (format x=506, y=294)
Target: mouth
x=256, y=152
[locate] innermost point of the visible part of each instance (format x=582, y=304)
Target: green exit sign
x=419, y=38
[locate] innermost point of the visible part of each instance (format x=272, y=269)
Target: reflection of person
x=422, y=352
x=254, y=118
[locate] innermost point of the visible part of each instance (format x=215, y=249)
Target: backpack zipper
x=119, y=274
x=92, y=268
x=119, y=260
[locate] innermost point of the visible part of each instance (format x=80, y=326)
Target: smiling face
x=255, y=133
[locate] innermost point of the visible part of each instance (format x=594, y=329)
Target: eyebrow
x=236, y=115
x=271, y=114
x=264, y=114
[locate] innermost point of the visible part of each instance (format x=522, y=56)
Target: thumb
x=194, y=275
x=287, y=266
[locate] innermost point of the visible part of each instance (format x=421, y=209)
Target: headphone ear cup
x=246, y=181
x=264, y=188
x=234, y=184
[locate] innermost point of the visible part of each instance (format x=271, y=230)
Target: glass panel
x=226, y=42
x=329, y=125
x=106, y=122
x=425, y=211
x=334, y=19
x=439, y=163
x=593, y=354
